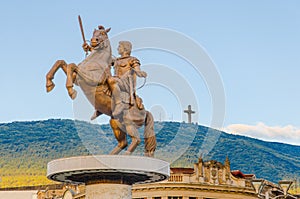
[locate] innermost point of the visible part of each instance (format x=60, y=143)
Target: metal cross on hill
x=189, y=112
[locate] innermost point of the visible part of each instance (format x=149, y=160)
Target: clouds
x=285, y=134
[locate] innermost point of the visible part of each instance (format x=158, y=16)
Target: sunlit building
x=206, y=180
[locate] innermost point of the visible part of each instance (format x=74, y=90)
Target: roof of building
x=250, y=176
x=237, y=174
x=182, y=170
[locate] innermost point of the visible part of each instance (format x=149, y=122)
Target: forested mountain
x=26, y=147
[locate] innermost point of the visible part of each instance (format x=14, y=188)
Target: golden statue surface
x=114, y=96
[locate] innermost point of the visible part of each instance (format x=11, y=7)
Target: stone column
x=111, y=191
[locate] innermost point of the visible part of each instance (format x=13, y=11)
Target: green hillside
x=26, y=147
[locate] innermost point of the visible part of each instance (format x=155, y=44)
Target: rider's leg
x=135, y=138
x=118, y=106
x=120, y=136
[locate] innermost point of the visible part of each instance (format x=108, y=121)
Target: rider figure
x=123, y=84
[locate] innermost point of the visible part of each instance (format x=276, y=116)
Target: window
x=192, y=198
x=156, y=198
x=174, y=197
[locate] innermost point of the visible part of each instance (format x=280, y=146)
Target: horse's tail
x=149, y=135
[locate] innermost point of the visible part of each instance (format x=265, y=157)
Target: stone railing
x=175, y=178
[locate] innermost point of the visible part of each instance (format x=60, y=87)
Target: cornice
x=193, y=187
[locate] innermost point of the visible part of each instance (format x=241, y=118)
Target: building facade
x=207, y=180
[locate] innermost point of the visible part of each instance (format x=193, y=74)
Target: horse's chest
x=93, y=63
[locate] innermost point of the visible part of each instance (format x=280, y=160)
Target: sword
x=82, y=33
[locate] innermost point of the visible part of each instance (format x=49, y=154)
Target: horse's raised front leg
x=50, y=75
x=120, y=136
x=71, y=73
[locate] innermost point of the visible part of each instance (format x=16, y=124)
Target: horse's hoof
x=95, y=115
x=73, y=94
x=50, y=87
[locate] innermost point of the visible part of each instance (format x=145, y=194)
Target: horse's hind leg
x=135, y=138
x=149, y=135
x=50, y=75
x=120, y=136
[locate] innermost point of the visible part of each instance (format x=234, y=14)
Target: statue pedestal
x=108, y=191
x=108, y=176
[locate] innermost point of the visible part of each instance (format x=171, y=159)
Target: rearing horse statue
x=91, y=75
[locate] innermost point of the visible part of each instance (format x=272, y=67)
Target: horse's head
x=99, y=37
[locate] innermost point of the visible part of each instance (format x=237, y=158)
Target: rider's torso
x=123, y=65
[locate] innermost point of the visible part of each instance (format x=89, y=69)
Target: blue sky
x=254, y=45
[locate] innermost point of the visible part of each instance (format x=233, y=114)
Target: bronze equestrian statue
x=114, y=96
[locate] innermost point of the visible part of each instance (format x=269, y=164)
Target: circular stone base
x=113, y=169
